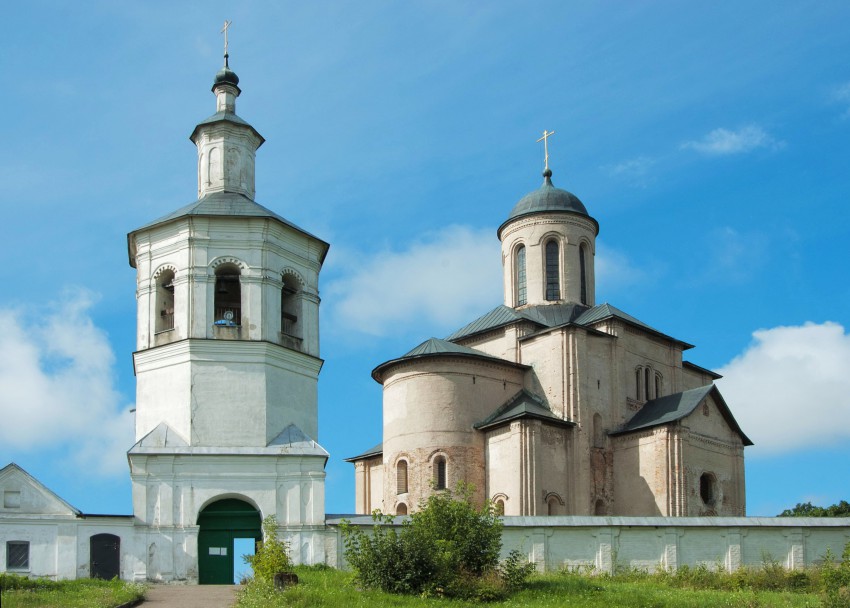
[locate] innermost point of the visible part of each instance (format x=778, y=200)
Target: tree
x=807, y=509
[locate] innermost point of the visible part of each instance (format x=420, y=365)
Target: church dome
x=547, y=198
x=226, y=76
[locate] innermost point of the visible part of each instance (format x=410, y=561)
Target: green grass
x=21, y=592
x=328, y=588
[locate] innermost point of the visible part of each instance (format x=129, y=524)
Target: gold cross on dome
x=224, y=31
x=545, y=140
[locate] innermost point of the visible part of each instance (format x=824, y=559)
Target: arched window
x=401, y=477
x=290, y=310
x=165, y=301
x=499, y=507
x=553, y=279
x=646, y=384
x=658, y=392
x=708, y=489
x=228, y=296
x=582, y=272
x=440, y=473
x=401, y=509
x=521, y=287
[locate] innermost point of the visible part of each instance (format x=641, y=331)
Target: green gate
x=220, y=523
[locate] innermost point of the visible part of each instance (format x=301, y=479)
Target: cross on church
x=224, y=31
x=545, y=140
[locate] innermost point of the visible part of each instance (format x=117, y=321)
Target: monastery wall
x=607, y=544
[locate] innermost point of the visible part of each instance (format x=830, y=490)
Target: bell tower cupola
x=227, y=145
x=548, y=247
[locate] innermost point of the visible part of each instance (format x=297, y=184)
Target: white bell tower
x=227, y=358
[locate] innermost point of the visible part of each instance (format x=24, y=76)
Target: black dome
x=226, y=76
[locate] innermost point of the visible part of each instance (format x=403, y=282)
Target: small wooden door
x=105, y=555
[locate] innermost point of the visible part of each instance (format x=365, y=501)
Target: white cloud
x=635, y=171
x=615, y=272
x=443, y=280
x=791, y=389
x=723, y=142
x=841, y=95
x=57, y=387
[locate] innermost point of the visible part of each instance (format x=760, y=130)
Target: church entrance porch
x=221, y=524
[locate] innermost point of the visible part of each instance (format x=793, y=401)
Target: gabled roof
x=703, y=370
x=547, y=315
x=522, y=405
x=374, y=451
x=223, y=204
x=553, y=315
x=606, y=311
x=12, y=470
x=671, y=408
x=434, y=347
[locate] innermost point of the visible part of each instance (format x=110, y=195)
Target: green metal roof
x=547, y=315
x=547, y=199
x=552, y=315
x=606, y=311
x=434, y=347
x=522, y=405
x=225, y=117
x=223, y=204
x=375, y=451
x=671, y=408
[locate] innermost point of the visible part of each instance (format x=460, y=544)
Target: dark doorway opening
x=105, y=556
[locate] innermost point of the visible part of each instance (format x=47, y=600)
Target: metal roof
x=375, y=451
x=225, y=117
x=553, y=315
x=434, y=347
x=671, y=408
x=223, y=204
x=547, y=199
x=522, y=405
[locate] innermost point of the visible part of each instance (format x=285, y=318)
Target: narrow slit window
x=646, y=383
x=440, y=473
x=553, y=283
x=521, y=287
x=401, y=477
x=582, y=273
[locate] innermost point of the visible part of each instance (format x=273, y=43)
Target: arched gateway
x=221, y=523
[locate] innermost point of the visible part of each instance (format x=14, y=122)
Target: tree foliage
x=807, y=509
x=272, y=554
x=448, y=547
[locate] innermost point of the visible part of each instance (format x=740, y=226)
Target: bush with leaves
x=272, y=554
x=448, y=547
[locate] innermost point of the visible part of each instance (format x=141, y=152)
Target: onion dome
x=226, y=76
x=546, y=199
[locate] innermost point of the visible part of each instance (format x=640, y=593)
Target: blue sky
x=711, y=141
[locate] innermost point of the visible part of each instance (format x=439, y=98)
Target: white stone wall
x=605, y=544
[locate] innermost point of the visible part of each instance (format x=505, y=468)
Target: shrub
x=515, y=570
x=272, y=554
x=447, y=548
